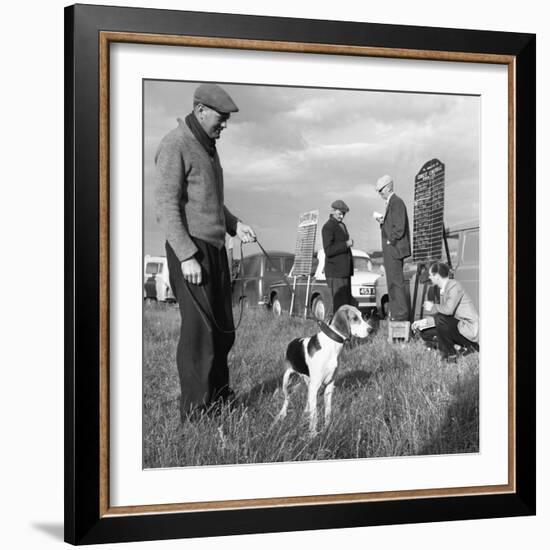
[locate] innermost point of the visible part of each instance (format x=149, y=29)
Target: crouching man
x=455, y=319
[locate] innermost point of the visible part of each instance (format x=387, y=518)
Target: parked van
x=462, y=243
x=156, y=277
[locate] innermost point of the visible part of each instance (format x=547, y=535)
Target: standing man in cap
x=191, y=210
x=396, y=246
x=338, y=258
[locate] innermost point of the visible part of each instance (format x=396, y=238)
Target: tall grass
x=389, y=400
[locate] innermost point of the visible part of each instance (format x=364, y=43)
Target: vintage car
x=313, y=297
x=461, y=252
x=254, y=274
x=156, y=283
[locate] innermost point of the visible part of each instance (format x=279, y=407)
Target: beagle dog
x=315, y=359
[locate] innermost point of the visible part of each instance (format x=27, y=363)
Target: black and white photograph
x=310, y=273
x=283, y=275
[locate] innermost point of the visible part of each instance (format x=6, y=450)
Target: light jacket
x=455, y=301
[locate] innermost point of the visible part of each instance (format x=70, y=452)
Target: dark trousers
x=446, y=335
x=340, y=288
x=399, y=303
x=202, y=350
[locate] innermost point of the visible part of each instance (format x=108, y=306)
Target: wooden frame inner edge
x=512, y=266
x=105, y=39
x=104, y=270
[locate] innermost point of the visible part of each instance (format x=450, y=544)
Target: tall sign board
x=303, y=254
x=429, y=200
x=305, y=243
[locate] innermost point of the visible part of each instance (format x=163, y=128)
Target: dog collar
x=331, y=333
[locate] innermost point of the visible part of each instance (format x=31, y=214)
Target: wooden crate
x=399, y=331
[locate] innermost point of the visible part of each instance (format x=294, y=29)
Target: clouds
x=294, y=149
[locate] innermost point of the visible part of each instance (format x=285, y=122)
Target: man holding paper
x=394, y=226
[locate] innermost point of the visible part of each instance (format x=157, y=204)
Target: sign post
x=428, y=226
x=303, y=254
x=429, y=199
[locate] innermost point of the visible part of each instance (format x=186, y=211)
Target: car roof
x=354, y=251
x=463, y=226
x=270, y=252
x=360, y=253
x=155, y=258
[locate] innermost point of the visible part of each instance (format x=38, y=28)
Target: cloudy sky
x=290, y=150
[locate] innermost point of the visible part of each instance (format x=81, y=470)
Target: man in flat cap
x=394, y=226
x=191, y=210
x=338, y=257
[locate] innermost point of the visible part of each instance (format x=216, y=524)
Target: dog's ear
x=341, y=322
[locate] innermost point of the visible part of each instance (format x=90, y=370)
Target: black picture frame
x=87, y=516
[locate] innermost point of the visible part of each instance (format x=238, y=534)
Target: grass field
x=389, y=400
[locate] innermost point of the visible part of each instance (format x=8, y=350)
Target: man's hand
x=378, y=217
x=191, y=270
x=245, y=233
x=428, y=306
x=349, y=243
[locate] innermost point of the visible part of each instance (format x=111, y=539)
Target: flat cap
x=340, y=205
x=383, y=181
x=216, y=97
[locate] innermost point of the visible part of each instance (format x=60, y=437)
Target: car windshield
x=361, y=264
x=452, y=243
x=251, y=266
x=153, y=268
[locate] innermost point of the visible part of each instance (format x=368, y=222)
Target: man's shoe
x=193, y=415
x=227, y=395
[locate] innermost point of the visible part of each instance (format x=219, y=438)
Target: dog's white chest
x=324, y=361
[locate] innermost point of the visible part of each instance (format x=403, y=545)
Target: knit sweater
x=189, y=193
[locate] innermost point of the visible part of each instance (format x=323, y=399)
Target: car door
x=467, y=269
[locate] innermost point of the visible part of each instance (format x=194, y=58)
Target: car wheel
x=276, y=307
x=318, y=308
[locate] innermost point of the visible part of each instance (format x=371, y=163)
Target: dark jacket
x=338, y=257
x=395, y=228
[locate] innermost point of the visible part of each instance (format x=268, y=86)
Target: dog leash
x=208, y=316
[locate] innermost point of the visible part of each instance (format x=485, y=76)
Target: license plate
x=366, y=291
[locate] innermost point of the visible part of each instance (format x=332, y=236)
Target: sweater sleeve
x=230, y=221
x=452, y=297
x=331, y=247
x=170, y=183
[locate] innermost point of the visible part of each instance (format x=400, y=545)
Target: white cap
x=383, y=182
